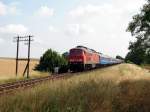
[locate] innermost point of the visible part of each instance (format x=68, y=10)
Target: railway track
x=12, y=87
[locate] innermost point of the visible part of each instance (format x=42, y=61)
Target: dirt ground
x=8, y=66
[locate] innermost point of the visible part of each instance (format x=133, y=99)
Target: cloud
x=116, y=7
x=14, y=11
x=107, y=23
x=85, y=10
x=72, y=29
x=92, y=11
x=9, y=9
x=3, y=9
x=1, y=40
x=14, y=29
x=45, y=11
x=78, y=29
x=52, y=29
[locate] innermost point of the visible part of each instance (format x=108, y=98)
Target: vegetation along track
x=11, y=87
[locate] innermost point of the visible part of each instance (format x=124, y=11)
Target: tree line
x=139, y=50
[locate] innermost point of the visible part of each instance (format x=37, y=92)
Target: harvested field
x=7, y=68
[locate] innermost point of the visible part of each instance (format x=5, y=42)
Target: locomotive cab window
x=76, y=52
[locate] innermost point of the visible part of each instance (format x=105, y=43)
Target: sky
x=64, y=24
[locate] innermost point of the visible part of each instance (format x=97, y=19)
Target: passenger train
x=83, y=58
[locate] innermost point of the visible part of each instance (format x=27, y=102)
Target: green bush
x=49, y=60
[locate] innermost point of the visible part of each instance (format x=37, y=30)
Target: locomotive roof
x=88, y=49
x=93, y=51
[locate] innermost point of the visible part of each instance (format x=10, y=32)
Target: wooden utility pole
x=29, y=57
x=17, y=55
x=27, y=39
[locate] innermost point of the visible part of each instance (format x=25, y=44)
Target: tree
x=140, y=28
x=49, y=60
x=137, y=52
x=65, y=55
x=119, y=57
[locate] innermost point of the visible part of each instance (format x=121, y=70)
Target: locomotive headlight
x=75, y=60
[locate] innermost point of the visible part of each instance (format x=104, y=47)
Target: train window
x=76, y=52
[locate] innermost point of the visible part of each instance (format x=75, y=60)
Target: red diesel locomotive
x=81, y=58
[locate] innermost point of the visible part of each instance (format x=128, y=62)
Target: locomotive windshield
x=76, y=52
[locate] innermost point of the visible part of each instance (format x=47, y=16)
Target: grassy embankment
x=147, y=66
x=7, y=70
x=121, y=88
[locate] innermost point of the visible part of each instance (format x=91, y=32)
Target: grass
x=146, y=66
x=121, y=88
x=14, y=79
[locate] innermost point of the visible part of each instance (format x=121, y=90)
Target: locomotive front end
x=76, y=59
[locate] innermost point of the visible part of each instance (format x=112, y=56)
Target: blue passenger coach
x=106, y=60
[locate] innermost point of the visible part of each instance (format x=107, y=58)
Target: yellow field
x=8, y=66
